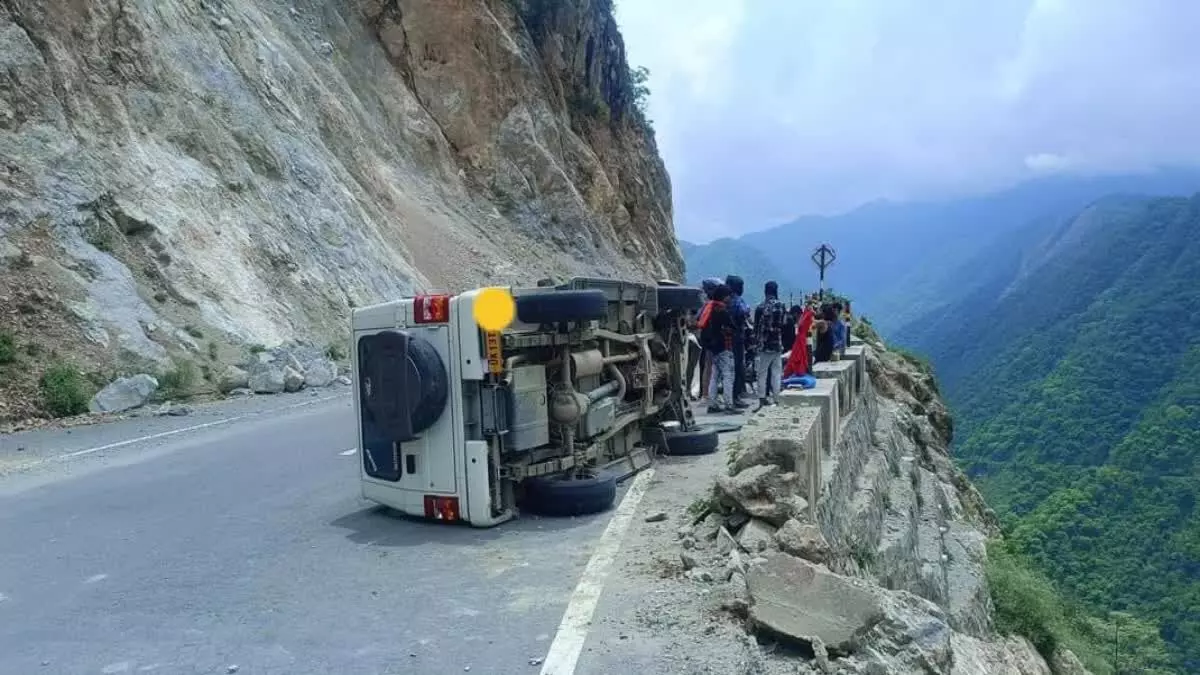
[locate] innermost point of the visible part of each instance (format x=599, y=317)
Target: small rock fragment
x=725, y=541
x=688, y=560
x=233, y=668
x=701, y=575
x=656, y=517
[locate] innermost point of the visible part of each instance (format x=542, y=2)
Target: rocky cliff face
x=881, y=569
x=174, y=173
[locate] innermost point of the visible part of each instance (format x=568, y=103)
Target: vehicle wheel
x=566, y=495
x=699, y=441
x=679, y=299
x=557, y=306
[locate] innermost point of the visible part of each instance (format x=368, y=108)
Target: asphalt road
x=234, y=539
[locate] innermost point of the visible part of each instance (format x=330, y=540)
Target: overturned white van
x=459, y=424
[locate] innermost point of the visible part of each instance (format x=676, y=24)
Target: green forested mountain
x=902, y=260
x=1072, y=363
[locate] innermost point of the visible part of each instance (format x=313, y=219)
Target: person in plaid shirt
x=770, y=318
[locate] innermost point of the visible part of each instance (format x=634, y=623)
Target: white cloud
x=768, y=109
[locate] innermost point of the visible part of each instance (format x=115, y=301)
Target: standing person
x=740, y=313
x=825, y=339
x=717, y=339
x=789, y=328
x=839, y=329
x=709, y=285
x=769, y=319
x=798, y=361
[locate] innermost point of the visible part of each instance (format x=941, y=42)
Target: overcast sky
x=770, y=109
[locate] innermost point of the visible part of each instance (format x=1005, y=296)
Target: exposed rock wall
x=250, y=170
x=887, y=572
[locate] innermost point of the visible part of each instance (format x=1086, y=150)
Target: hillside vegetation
x=1074, y=373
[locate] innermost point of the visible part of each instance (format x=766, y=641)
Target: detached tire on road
x=566, y=496
x=698, y=441
x=679, y=299
x=559, y=306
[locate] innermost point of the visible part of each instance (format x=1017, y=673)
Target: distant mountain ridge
x=903, y=260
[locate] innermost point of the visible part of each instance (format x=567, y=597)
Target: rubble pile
x=860, y=547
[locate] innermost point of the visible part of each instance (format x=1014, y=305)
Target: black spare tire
x=559, y=306
x=403, y=383
x=569, y=494
x=679, y=299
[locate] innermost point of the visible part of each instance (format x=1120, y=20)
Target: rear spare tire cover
x=428, y=385
x=679, y=299
x=557, y=306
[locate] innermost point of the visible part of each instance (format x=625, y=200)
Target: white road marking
x=94, y=578
x=151, y=437
x=347, y=453
x=572, y=631
x=173, y=432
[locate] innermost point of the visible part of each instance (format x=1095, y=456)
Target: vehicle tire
x=564, y=495
x=422, y=394
x=559, y=306
x=679, y=299
x=433, y=384
x=699, y=441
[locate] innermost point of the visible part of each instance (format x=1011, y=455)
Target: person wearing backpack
x=717, y=339
x=769, y=319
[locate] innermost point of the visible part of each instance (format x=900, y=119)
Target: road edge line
x=577, y=619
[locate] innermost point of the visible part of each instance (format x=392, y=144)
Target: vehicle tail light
x=441, y=508
x=431, y=309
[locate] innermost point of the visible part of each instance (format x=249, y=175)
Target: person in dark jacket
x=739, y=311
x=825, y=334
x=717, y=338
x=770, y=317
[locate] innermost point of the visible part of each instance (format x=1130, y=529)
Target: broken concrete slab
x=826, y=397
x=794, y=598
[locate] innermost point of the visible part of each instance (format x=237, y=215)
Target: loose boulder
x=267, y=378
x=320, y=373
x=124, y=394
x=803, y=540
x=293, y=380
x=764, y=491
x=757, y=536
x=233, y=378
